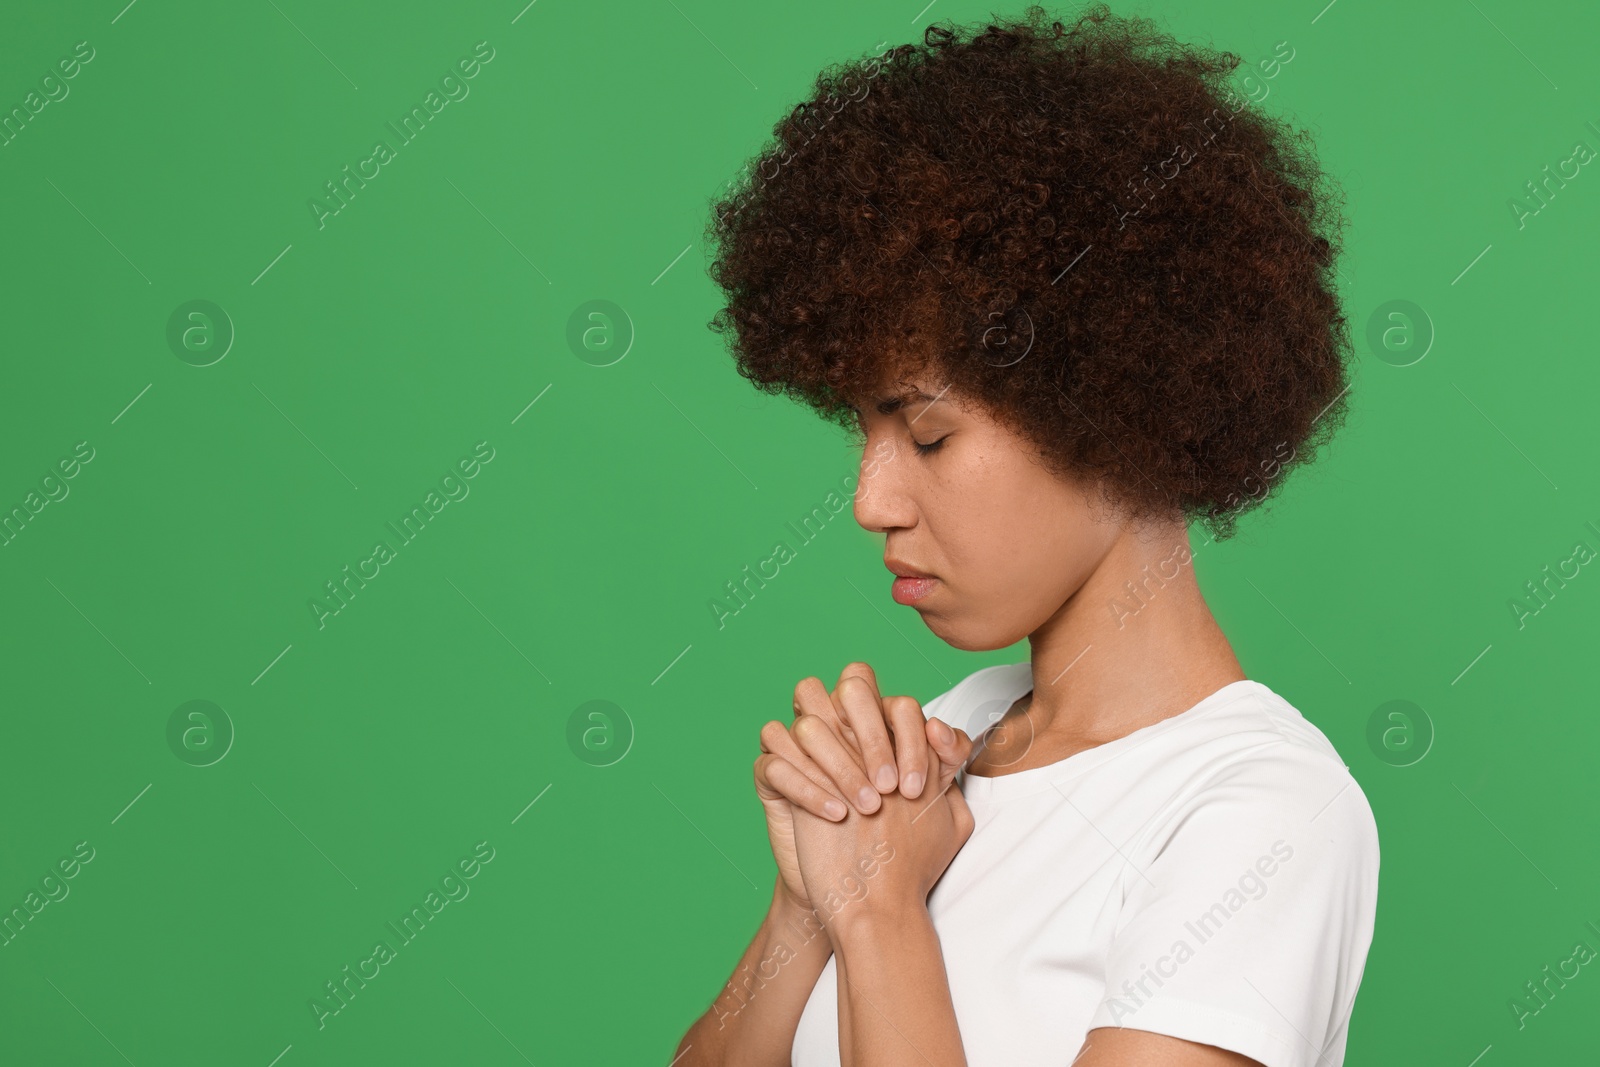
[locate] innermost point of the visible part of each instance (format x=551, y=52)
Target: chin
x=969, y=635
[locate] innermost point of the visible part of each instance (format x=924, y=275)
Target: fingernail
x=913, y=783
x=886, y=778
x=945, y=736
x=834, y=809
x=868, y=797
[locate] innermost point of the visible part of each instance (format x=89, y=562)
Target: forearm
x=754, y=1019
x=894, y=995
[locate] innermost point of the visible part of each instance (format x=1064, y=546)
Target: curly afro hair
x=1084, y=229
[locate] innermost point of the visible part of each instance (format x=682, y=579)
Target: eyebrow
x=895, y=403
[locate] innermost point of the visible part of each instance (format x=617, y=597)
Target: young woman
x=1071, y=292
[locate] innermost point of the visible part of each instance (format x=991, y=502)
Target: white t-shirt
x=1213, y=877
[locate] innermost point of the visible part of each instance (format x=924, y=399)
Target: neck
x=1134, y=645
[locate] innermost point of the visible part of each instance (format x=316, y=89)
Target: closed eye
x=929, y=448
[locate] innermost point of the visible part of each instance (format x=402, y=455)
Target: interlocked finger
x=838, y=760
x=779, y=746
x=862, y=709
x=777, y=777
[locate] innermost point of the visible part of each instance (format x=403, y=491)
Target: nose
x=881, y=500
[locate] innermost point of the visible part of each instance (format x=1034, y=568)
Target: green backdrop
x=219, y=398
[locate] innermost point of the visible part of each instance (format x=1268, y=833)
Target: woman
x=1071, y=294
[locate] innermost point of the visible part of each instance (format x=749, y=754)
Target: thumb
x=953, y=748
x=964, y=822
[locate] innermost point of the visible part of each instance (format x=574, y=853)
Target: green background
x=372, y=753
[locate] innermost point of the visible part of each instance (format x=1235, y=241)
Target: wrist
x=873, y=922
x=785, y=905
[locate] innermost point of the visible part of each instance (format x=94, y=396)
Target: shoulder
x=1308, y=765
x=1262, y=767
x=1259, y=880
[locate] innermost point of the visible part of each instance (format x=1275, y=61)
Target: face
x=962, y=498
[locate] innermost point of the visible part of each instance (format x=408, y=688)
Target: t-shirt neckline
x=987, y=789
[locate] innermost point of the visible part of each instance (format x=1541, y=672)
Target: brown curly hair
x=1080, y=228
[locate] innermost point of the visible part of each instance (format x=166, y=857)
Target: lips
x=910, y=584
x=911, y=590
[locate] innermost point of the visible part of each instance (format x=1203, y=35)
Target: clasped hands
x=860, y=800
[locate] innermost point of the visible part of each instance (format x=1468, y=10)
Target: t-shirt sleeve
x=1248, y=913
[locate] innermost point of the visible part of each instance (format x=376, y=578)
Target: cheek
x=1015, y=538
x=1032, y=582
x=1014, y=557
x=996, y=557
